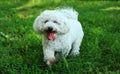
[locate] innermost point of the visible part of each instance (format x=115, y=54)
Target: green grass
x=21, y=49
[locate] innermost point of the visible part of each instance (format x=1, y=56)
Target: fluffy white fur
x=68, y=32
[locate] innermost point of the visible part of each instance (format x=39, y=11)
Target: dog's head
x=51, y=23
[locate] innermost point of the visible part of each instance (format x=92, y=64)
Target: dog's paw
x=50, y=61
x=75, y=53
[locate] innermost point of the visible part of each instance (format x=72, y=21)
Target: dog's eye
x=45, y=21
x=55, y=21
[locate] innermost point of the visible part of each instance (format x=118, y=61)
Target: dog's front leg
x=49, y=57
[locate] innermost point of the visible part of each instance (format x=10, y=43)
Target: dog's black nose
x=50, y=28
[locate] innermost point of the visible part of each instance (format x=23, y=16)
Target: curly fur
x=68, y=32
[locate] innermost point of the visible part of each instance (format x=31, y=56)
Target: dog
x=61, y=32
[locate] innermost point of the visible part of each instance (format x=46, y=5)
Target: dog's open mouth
x=51, y=35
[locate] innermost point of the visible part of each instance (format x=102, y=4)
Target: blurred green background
x=21, y=49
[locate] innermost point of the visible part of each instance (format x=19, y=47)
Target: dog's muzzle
x=50, y=33
x=50, y=29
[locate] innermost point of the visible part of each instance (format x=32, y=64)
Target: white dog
x=62, y=32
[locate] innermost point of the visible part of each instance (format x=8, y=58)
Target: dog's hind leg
x=75, y=47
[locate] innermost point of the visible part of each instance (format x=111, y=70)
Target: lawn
x=21, y=48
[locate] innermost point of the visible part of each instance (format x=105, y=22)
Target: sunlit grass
x=30, y=3
x=111, y=8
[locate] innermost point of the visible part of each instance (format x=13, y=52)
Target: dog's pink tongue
x=51, y=36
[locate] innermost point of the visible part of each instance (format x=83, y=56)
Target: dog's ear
x=36, y=25
x=65, y=27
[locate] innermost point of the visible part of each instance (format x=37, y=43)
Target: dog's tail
x=70, y=13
